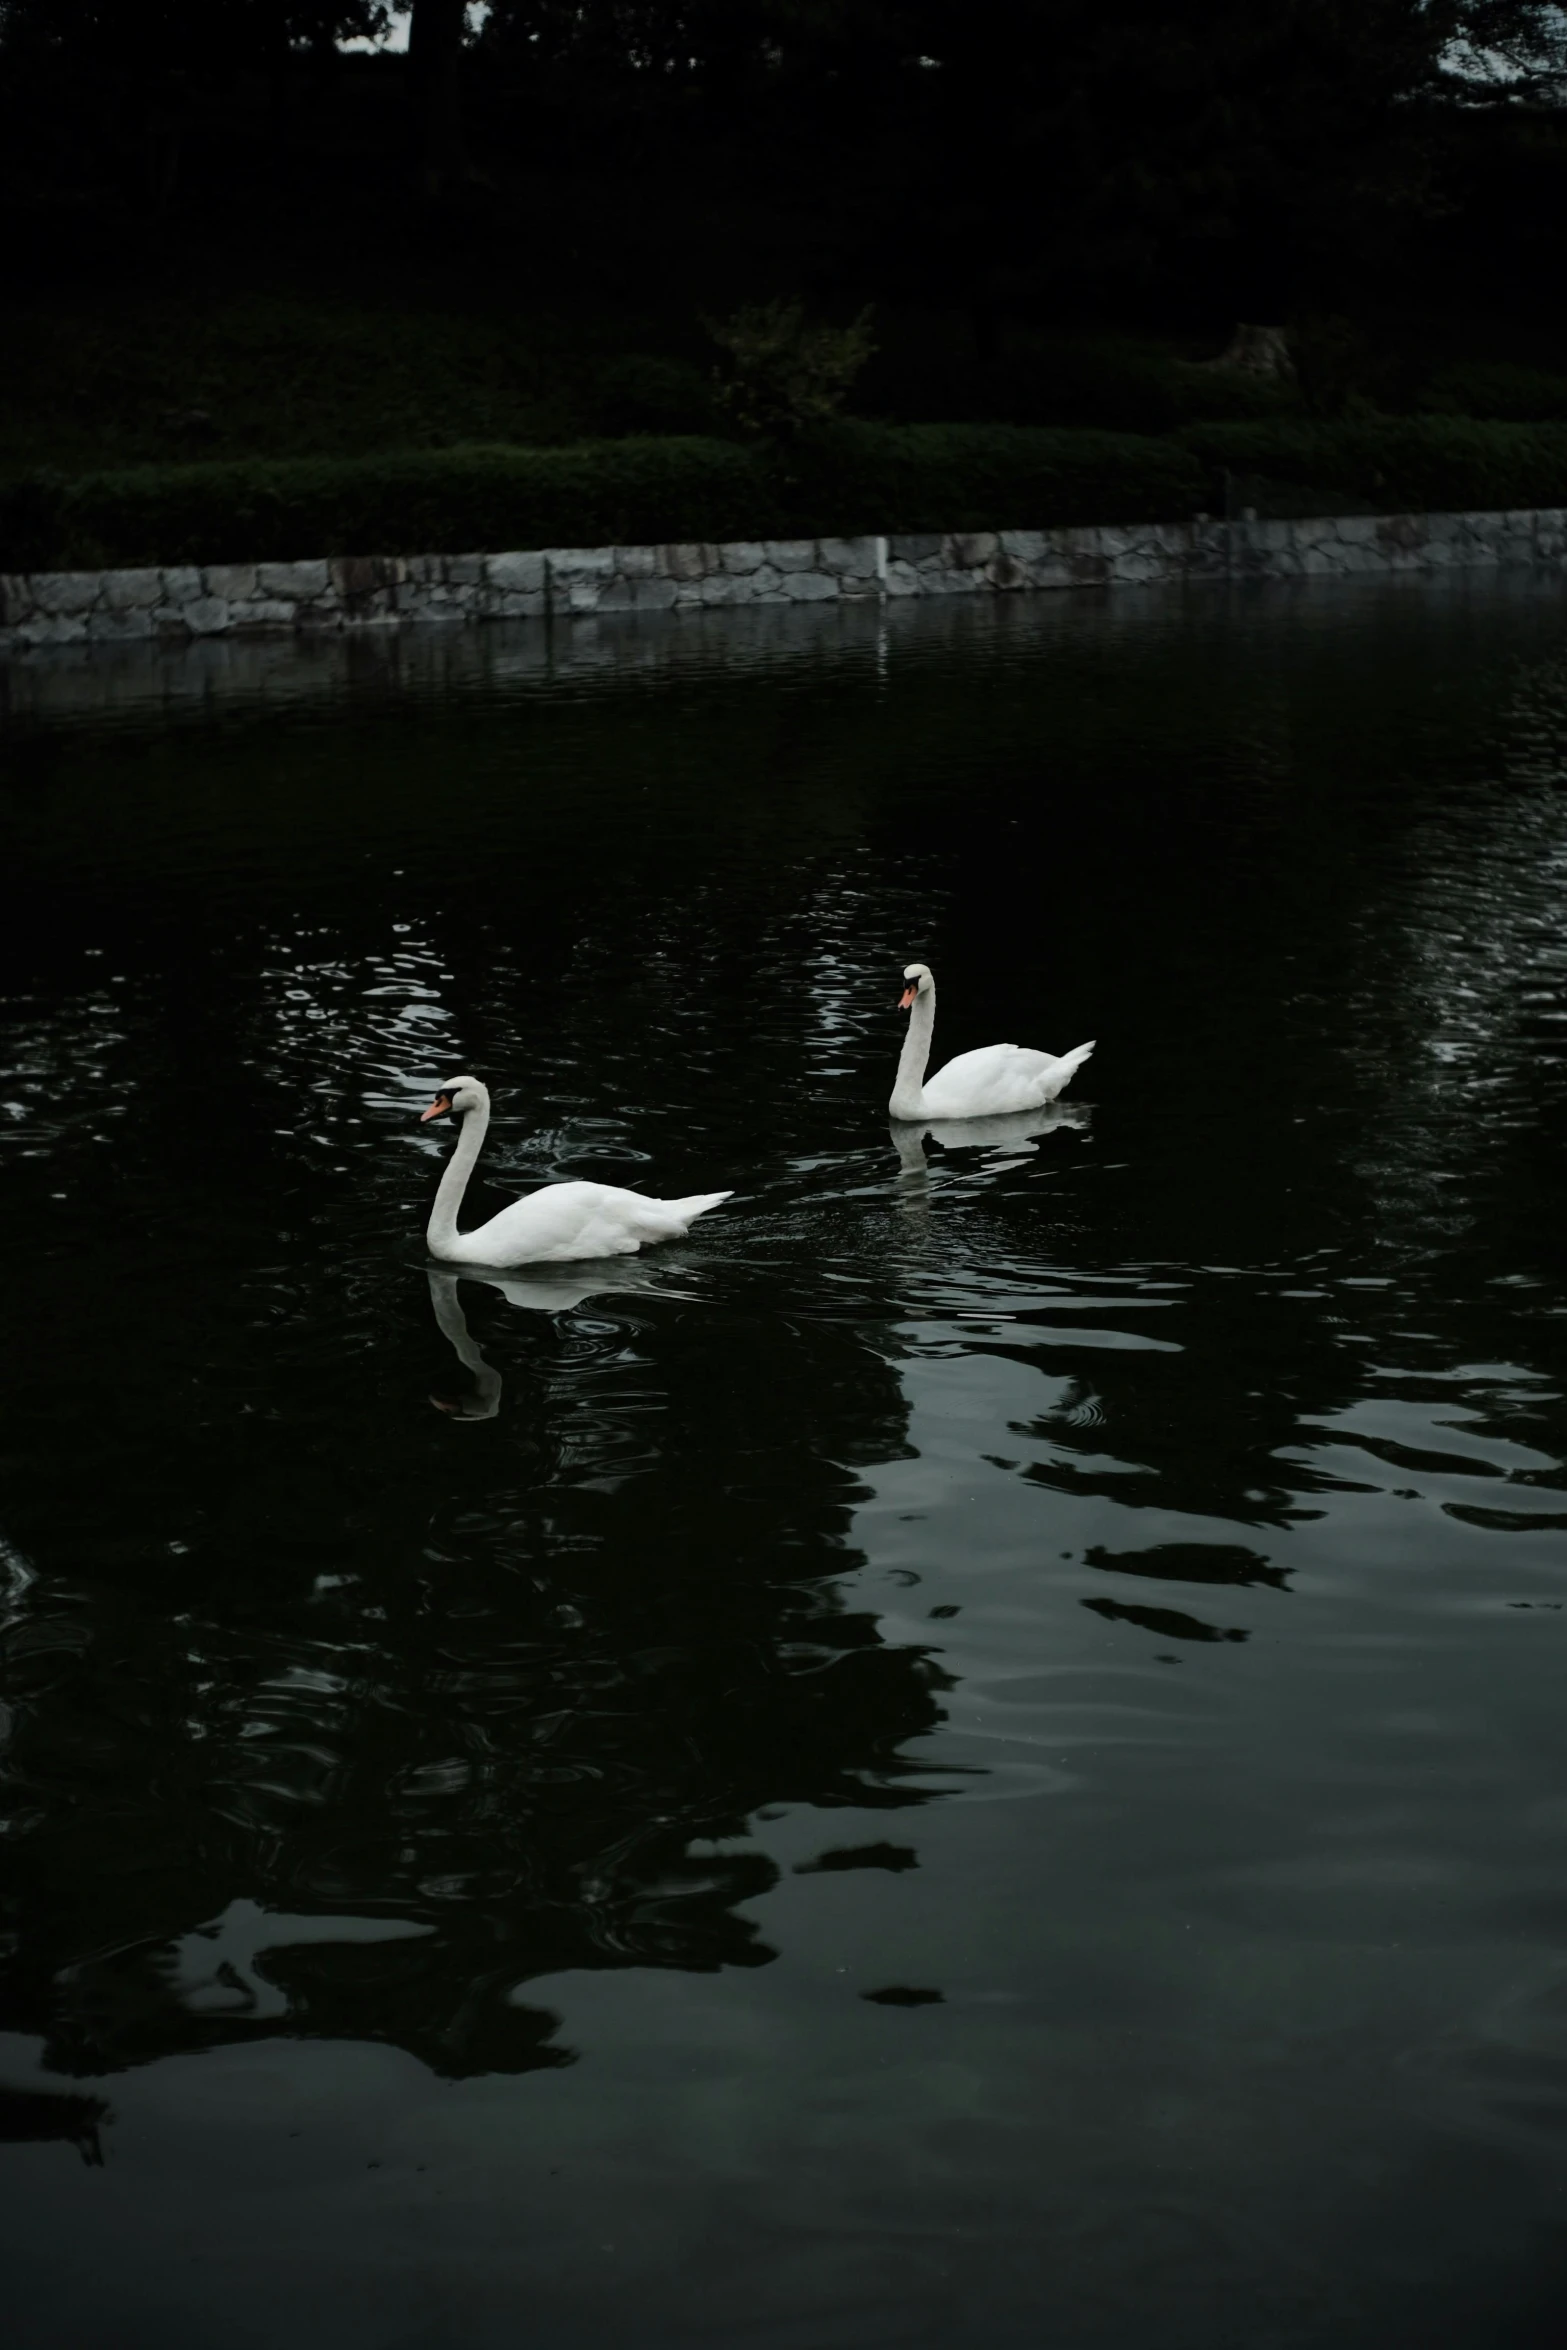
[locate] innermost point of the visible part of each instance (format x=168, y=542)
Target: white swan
x=555, y=1226
x=993, y=1082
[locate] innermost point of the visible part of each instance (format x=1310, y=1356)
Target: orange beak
x=904, y=1000
x=438, y=1108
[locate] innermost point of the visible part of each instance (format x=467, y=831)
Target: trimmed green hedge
x=1397, y=464
x=920, y=477
x=847, y=478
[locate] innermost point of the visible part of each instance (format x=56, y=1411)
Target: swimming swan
x=553, y=1226
x=993, y=1082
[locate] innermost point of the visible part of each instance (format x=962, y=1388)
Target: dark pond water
x=974, y=1755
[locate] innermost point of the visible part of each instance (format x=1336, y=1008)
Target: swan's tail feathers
x=1067, y=1067
x=698, y=1204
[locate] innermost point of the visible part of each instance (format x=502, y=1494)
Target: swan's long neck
x=441, y=1230
x=906, y=1093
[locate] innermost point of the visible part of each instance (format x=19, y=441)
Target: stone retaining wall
x=185, y=601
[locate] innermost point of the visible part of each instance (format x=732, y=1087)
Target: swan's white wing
x=998, y=1080
x=565, y=1222
x=561, y=1222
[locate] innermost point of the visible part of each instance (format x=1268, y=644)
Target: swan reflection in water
x=552, y=1289
x=1013, y=1137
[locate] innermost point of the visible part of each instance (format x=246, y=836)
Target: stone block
x=790, y=554
x=236, y=583
x=637, y=595
x=764, y=581
x=902, y=579
x=726, y=587
x=688, y=561
x=856, y=590
x=132, y=591
x=809, y=587
x=463, y=570
x=849, y=558
x=367, y=582
x=1269, y=538
x=206, y=615
x=52, y=628
x=298, y=581
x=118, y=627
x=917, y=547
x=1400, y=533
x=515, y=575
x=16, y=598
x=520, y=606
x=62, y=594
x=580, y=562
x=1023, y=546
x=641, y=562
x=743, y=555
x=1320, y=561
x=968, y=549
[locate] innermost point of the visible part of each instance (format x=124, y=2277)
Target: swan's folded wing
x=554, y=1225
x=983, y=1082
x=998, y=1080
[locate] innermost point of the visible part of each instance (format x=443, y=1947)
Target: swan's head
x=917, y=982
x=456, y=1095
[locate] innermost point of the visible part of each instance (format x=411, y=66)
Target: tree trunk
x=435, y=39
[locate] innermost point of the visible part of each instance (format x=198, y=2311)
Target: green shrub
x=1497, y=391
x=845, y=477
x=1337, y=368
x=782, y=372
x=427, y=501
x=1399, y=464
x=643, y=393
x=919, y=477
x=1099, y=385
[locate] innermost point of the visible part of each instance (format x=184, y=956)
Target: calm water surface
x=974, y=1755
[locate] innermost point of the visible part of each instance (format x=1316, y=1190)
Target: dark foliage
x=1398, y=464
x=846, y=478
x=1004, y=153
